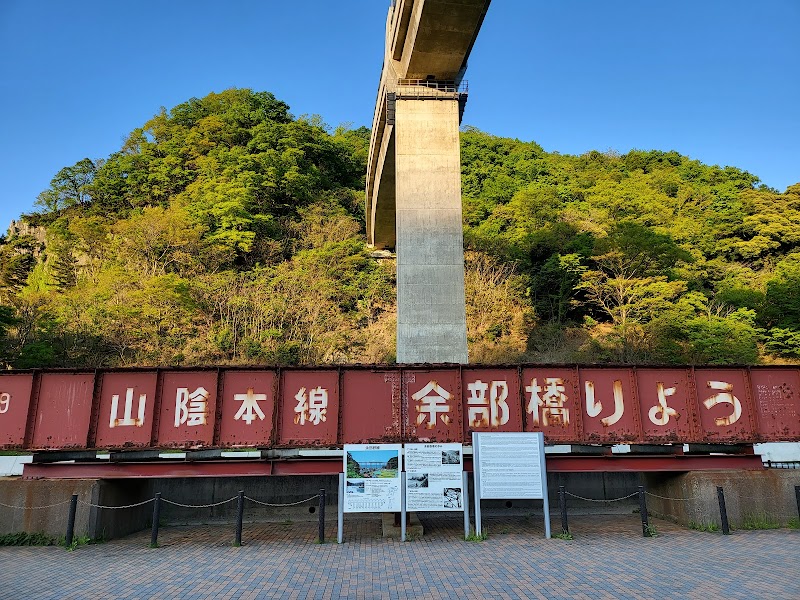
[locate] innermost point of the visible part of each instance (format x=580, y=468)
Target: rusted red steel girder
x=329, y=406
x=260, y=468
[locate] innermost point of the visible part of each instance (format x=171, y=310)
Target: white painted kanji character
x=483, y=412
x=311, y=407
x=249, y=409
x=661, y=408
x=5, y=402
x=724, y=396
x=317, y=405
x=428, y=406
x=552, y=402
x=593, y=407
x=191, y=408
x=127, y=419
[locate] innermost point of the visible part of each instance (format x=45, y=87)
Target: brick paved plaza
x=607, y=559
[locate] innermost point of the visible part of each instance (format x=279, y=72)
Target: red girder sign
x=667, y=407
x=247, y=414
x=258, y=407
x=432, y=398
x=610, y=406
x=125, y=419
x=15, y=398
x=776, y=393
x=63, y=409
x=188, y=409
x=309, y=415
x=552, y=403
x=491, y=400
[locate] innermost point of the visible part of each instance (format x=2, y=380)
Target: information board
x=372, y=478
x=509, y=466
x=434, y=477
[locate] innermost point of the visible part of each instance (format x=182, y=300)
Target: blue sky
x=718, y=80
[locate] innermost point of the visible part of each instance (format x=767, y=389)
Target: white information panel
x=434, y=478
x=372, y=478
x=509, y=465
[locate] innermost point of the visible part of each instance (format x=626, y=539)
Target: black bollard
x=73, y=508
x=562, y=503
x=797, y=497
x=723, y=513
x=239, y=519
x=643, y=511
x=321, y=535
x=156, y=518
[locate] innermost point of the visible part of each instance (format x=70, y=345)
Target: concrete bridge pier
x=431, y=319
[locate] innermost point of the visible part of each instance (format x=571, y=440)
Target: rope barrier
x=116, y=507
x=606, y=500
x=199, y=505
x=280, y=505
x=35, y=507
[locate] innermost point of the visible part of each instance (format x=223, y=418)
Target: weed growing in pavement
x=563, y=535
x=477, y=537
x=794, y=523
x=28, y=539
x=760, y=520
x=651, y=531
x=77, y=542
x=710, y=526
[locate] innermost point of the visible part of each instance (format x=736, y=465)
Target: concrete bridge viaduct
x=413, y=195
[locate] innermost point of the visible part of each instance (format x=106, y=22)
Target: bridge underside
x=413, y=195
x=556, y=463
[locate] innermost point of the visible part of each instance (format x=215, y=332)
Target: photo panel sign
x=434, y=478
x=372, y=478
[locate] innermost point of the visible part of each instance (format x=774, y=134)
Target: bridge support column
x=431, y=317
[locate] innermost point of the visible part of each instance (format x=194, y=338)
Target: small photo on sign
x=452, y=497
x=417, y=481
x=451, y=457
x=355, y=487
x=372, y=464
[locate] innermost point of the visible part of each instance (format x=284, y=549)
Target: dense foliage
x=227, y=231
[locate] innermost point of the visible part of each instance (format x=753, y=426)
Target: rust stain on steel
x=248, y=408
x=432, y=398
x=63, y=415
x=185, y=408
x=15, y=398
x=552, y=403
x=490, y=400
x=725, y=405
x=776, y=394
x=188, y=405
x=370, y=407
x=610, y=406
x=666, y=404
x=125, y=417
x=309, y=408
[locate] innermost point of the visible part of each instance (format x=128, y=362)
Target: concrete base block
x=414, y=527
x=692, y=497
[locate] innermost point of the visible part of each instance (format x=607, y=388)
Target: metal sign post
x=340, y=502
x=509, y=466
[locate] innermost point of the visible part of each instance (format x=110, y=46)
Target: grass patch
x=761, y=520
x=651, y=531
x=794, y=523
x=562, y=535
x=29, y=539
x=477, y=537
x=710, y=527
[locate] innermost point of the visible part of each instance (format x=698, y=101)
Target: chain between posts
x=199, y=505
x=35, y=507
x=596, y=500
x=116, y=507
x=281, y=505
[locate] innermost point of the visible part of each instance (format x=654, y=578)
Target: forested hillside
x=225, y=230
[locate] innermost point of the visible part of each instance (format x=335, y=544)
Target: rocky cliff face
x=22, y=228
